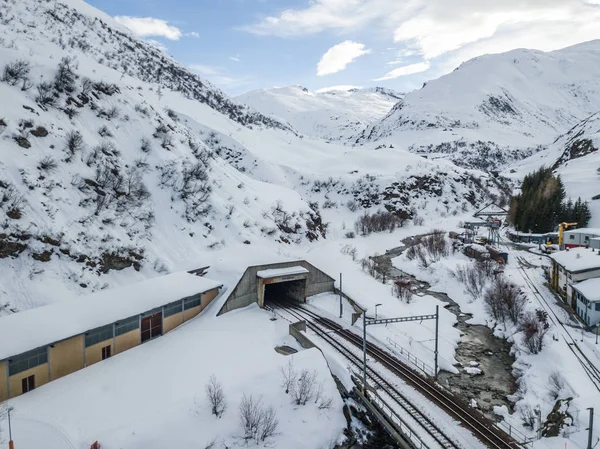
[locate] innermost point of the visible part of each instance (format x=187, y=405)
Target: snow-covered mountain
x=117, y=163
x=575, y=157
x=497, y=108
x=331, y=115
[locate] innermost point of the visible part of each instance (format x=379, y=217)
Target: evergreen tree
x=541, y=205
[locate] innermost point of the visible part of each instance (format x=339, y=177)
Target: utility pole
x=376, y=305
x=437, y=329
x=341, y=307
x=11, y=444
x=364, y=352
x=591, y=428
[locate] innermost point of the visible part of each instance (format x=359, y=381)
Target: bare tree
x=269, y=423
x=216, y=396
x=86, y=86
x=505, y=300
x=74, y=142
x=289, y=376
x=259, y=422
x=45, y=96
x=402, y=289
x=16, y=71
x=303, y=389
x=558, y=386
x=535, y=327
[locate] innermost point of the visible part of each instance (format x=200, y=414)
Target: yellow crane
x=561, y=229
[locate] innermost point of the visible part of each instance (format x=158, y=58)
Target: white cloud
x=443, y=30
x=405, y=70
x=235, y=58
x=158, y=45
x=149, y=26
x=343, y=88
x=193, y=34
x=219, y=76
x=339, y=56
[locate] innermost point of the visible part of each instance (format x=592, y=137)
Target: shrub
x=380, y=221
x=15, y=72
x=535, y=327
x=505, y=300
x=352, y=205
x=474, y=277
x=258, y=421
x=47, y=164
x=104, y=131
x=145, y=145
x=402, y=289
x=216, y=396
x=74, y=141
x=65, y=77
x=45, y=96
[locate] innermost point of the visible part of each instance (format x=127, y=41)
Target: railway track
x=588, y=366
x=481, y=427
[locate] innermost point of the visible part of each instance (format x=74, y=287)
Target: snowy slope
x=575, y=157
x=330, y=115
x=511, y=103
x=170, y=175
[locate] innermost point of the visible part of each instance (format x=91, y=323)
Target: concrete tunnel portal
x=280, y=285
x=293, y=280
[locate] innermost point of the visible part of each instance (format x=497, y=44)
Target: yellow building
x=44, y=344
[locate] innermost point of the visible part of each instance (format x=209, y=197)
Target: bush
x=45, y=96
x=258, y=421
x=402, y=289
x=380, y=221
x=15, y=72
x=47, y=164
x=104, y=131
x=535, y=327
x=505, y=300
x=145, y=145
x=74, y=141
x=352, y=205
x=216, y=396
x=558, y=388
x=65, y=77
x=474, y=277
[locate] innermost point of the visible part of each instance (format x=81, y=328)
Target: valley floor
x=153, y=396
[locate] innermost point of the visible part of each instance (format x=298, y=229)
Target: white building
x=580, y=237
x=572, y=266
x=587, y=297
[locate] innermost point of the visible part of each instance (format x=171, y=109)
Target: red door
x=151, y=326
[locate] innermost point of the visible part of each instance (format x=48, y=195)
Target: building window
x=28, y=383
x=572, y=237
x=28, y=360
x=192, y=301
x=173, y=309
x=127, y=325
x=106, y=352
x=598, y=307
x=99, y=335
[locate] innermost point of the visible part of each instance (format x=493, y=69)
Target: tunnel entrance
x=282, y=285
x=282, y=292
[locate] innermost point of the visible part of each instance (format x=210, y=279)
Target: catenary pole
x=437, y=329
x=341, y=309
x=365, y=351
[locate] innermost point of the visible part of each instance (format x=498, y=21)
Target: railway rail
x=471, y=419
x=588, y=366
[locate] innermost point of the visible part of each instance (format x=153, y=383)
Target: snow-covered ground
x=153, y=396
x=531, y=370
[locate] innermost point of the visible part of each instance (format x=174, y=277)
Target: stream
x=478, y=348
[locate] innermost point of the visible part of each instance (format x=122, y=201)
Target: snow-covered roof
x=38, y=327
x=577, y=259
x=277, y=272
x=586, y=231
x=590, y=289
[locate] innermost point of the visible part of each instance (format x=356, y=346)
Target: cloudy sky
x=242, y=45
